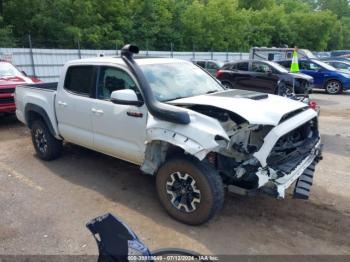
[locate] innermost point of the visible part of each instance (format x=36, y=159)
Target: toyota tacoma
x=176, y=122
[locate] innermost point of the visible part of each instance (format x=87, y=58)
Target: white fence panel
x=46, y=64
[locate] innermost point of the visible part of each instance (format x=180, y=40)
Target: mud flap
x=304, y=183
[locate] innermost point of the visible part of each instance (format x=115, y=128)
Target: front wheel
x=333, y=87
x=46, y=145
x=190, y=191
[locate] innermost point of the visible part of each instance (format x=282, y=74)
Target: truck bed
x=49, y=86
x=41, y=96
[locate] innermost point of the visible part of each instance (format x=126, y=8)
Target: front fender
x=197, y=138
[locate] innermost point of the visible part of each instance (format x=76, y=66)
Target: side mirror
x=125, y=97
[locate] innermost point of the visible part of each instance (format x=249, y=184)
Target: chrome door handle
x=60, y=103
x=97, y=111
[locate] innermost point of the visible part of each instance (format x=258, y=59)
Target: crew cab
x=176, y=122
x=10, y=77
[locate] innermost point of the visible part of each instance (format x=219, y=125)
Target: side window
x=304, y=65
x=228, y=67
x=112, y=79
x=261, y=67
x=286, y=64
x=242, y=66
x=314, y=66
x=80, y=80
x=201, y=64
x=211, y=65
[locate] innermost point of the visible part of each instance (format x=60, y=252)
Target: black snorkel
x=157, y=109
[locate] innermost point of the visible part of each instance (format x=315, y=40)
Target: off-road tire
x=53, y=148
x=207, y=180
x=331, y=87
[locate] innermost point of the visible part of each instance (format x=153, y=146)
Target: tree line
x=203, y=25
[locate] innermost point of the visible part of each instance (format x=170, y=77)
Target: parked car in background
x=179, y=124
x=346, y=56
x=10, y=77
x=325, y=76
x=337, y=53
x=322, y=55
x=341, y=65
x=212, y=66
x=263, y=76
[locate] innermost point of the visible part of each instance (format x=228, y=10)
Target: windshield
x=7, y=69
x=171, y=81
x=324, y=65
x=278, y=67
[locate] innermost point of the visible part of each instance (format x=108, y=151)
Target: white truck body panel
x=41, y=97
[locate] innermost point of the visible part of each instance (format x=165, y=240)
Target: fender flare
x=39, y=110
x=189, y=145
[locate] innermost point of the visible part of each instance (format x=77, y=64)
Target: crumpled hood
x=256, y=108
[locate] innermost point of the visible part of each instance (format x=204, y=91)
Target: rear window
x=200, y=63
x=286, y=64
x=227, y=66
x=79, y=79
x=242, y=66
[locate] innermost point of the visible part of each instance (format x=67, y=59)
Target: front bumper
x=7, y=108
x=7, y=103
x=302, y=173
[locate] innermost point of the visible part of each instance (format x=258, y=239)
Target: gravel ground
x=44, y=205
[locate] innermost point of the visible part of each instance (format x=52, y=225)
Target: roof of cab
x=118, y=60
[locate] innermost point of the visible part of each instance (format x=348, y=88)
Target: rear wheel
x=333, y=87
x=46, y=145
x=190, y=191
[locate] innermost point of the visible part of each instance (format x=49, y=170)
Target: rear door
x=239, y=76
x=264, y=79
x=119, y=130
x=73, y=105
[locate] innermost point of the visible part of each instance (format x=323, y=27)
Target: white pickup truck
x=178, y=123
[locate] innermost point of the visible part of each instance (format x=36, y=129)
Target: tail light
x=218, y=73
x=313, y=105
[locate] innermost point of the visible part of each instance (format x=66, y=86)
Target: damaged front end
x=269, y=158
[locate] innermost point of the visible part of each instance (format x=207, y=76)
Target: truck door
x=73, y=105
x=119, y=130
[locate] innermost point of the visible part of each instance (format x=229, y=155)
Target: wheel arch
x=158, y=151
x=327, y=80
x=34, y=112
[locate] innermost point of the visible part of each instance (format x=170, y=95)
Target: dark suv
x=262, y=76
